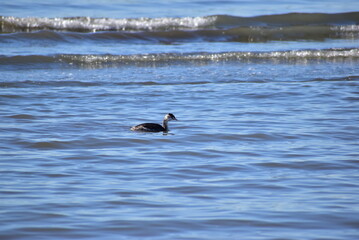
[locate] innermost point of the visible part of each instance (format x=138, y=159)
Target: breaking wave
x=219, y=28
x=87, y=24
x=92, y=60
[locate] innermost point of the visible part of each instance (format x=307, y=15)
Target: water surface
x=266, y=146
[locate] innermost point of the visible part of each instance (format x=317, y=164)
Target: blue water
x=266, y=143
x=176, y=8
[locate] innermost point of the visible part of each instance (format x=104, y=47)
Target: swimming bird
x=154, y=127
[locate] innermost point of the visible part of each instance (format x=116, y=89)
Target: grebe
x=154, y=127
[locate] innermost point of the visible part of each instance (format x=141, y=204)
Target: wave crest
x=87, y=24
x=93, y=61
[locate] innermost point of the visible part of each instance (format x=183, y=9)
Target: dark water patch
x=49, y=231
x=188, y=189
x=171, y=82
x=305, y=165
x=129, y=193
x=26, y=59
x=107, y=83
x=56, y=175
x=10, y=193
x=138, y=203
x=51, y=83
x=51, y=145
x=198, y=171
x=238, y=34
x=242, y=223
x=290, y=19
x=334, y=79
x=189, y=154
x=22, y=116
x=10, y=96
x=41, y=36
x=145, y=83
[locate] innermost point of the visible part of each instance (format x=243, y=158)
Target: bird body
x=148, y=127
x=154, y=127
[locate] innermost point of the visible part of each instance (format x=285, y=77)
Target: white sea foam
x=171, y=58
x=105, y=24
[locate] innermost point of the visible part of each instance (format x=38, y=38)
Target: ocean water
x=266, y=94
